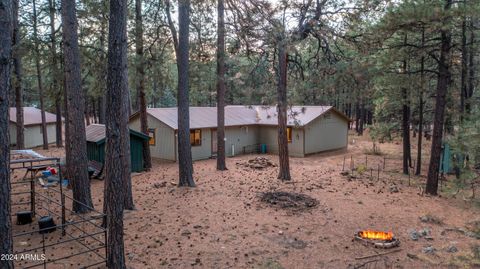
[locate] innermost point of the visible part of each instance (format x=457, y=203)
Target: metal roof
x=96, y=133
x=32, y=116
x=206, y=117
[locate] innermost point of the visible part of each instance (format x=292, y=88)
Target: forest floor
x=224, y=223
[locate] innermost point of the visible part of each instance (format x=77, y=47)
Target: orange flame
x=376, y=235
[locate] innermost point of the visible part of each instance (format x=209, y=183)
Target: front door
x=214, y=141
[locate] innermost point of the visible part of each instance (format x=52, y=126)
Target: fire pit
x=377, y=238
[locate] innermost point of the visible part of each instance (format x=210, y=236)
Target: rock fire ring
x=377, y=243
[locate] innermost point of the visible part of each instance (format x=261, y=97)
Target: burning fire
x=376, y=235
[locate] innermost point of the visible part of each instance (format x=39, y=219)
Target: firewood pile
x=258, y=163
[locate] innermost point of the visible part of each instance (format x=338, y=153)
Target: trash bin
x=263, y=148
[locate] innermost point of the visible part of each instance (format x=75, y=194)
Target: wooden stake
x=378, y=172
x=343, y=166
x=366, y=161
x=384, y=158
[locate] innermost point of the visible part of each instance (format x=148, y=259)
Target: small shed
x=32, y=132
x=96, y=146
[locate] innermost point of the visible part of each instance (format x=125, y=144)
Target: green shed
x=96, y=146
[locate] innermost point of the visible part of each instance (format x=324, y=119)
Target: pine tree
x=117, y=167
x=221, y=86
x=18, y=77
x=140, y=76
x=440, y=103
x=76, y=147
x=6, y=32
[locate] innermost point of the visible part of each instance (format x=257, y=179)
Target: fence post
x=378, y=172
x=343, y=166
x=366, y=161
x=384, y=158
x=43, y=248
x=63, y=214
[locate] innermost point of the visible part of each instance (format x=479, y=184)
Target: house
x=32, y=121
x=311, y=129
x=96, y=138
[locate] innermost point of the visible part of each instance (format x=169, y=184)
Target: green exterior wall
x=96, y=152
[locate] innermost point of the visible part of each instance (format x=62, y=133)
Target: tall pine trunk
x=117, y=132
x=221, y=86
x=439, y=116
x=17, y=82
x=184, y=148
x=141, y=82
x=464, y=71
x=76, y=153
x=55, y=75
x=6, y=30
x=471, y=71
x=284, y=165
x=39, y=76
x=420, y=110
x=406, y=120
x=102, y=76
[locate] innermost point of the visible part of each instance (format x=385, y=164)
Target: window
x=196, y=137
x=151, y=134
x=289, y=134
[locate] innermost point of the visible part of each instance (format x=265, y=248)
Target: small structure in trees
x=96, y=146
x=32, y=127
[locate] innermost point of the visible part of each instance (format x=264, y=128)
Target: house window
x=196, y=137
x=151, y=134
x=289, y=134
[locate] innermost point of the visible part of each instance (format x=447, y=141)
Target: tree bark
x=221, y=166
x=361, y=118
x=17, y=82
x=464, y=71
x=471, y=71
x=101, y=110
x=6, y=31
x=55, y=75
x=141, y=82
x=77, y=147
x=420, y=110
x=184, y=148
x=439, y=116
x=87, y=111
x=284, y=165
x=102, y=77
x=117, y=133
x=39, y=76
x=94, y=109
x=405, y=122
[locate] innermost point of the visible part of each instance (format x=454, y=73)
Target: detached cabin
x=32, y=122
x=96, y=146
x=311, y=129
